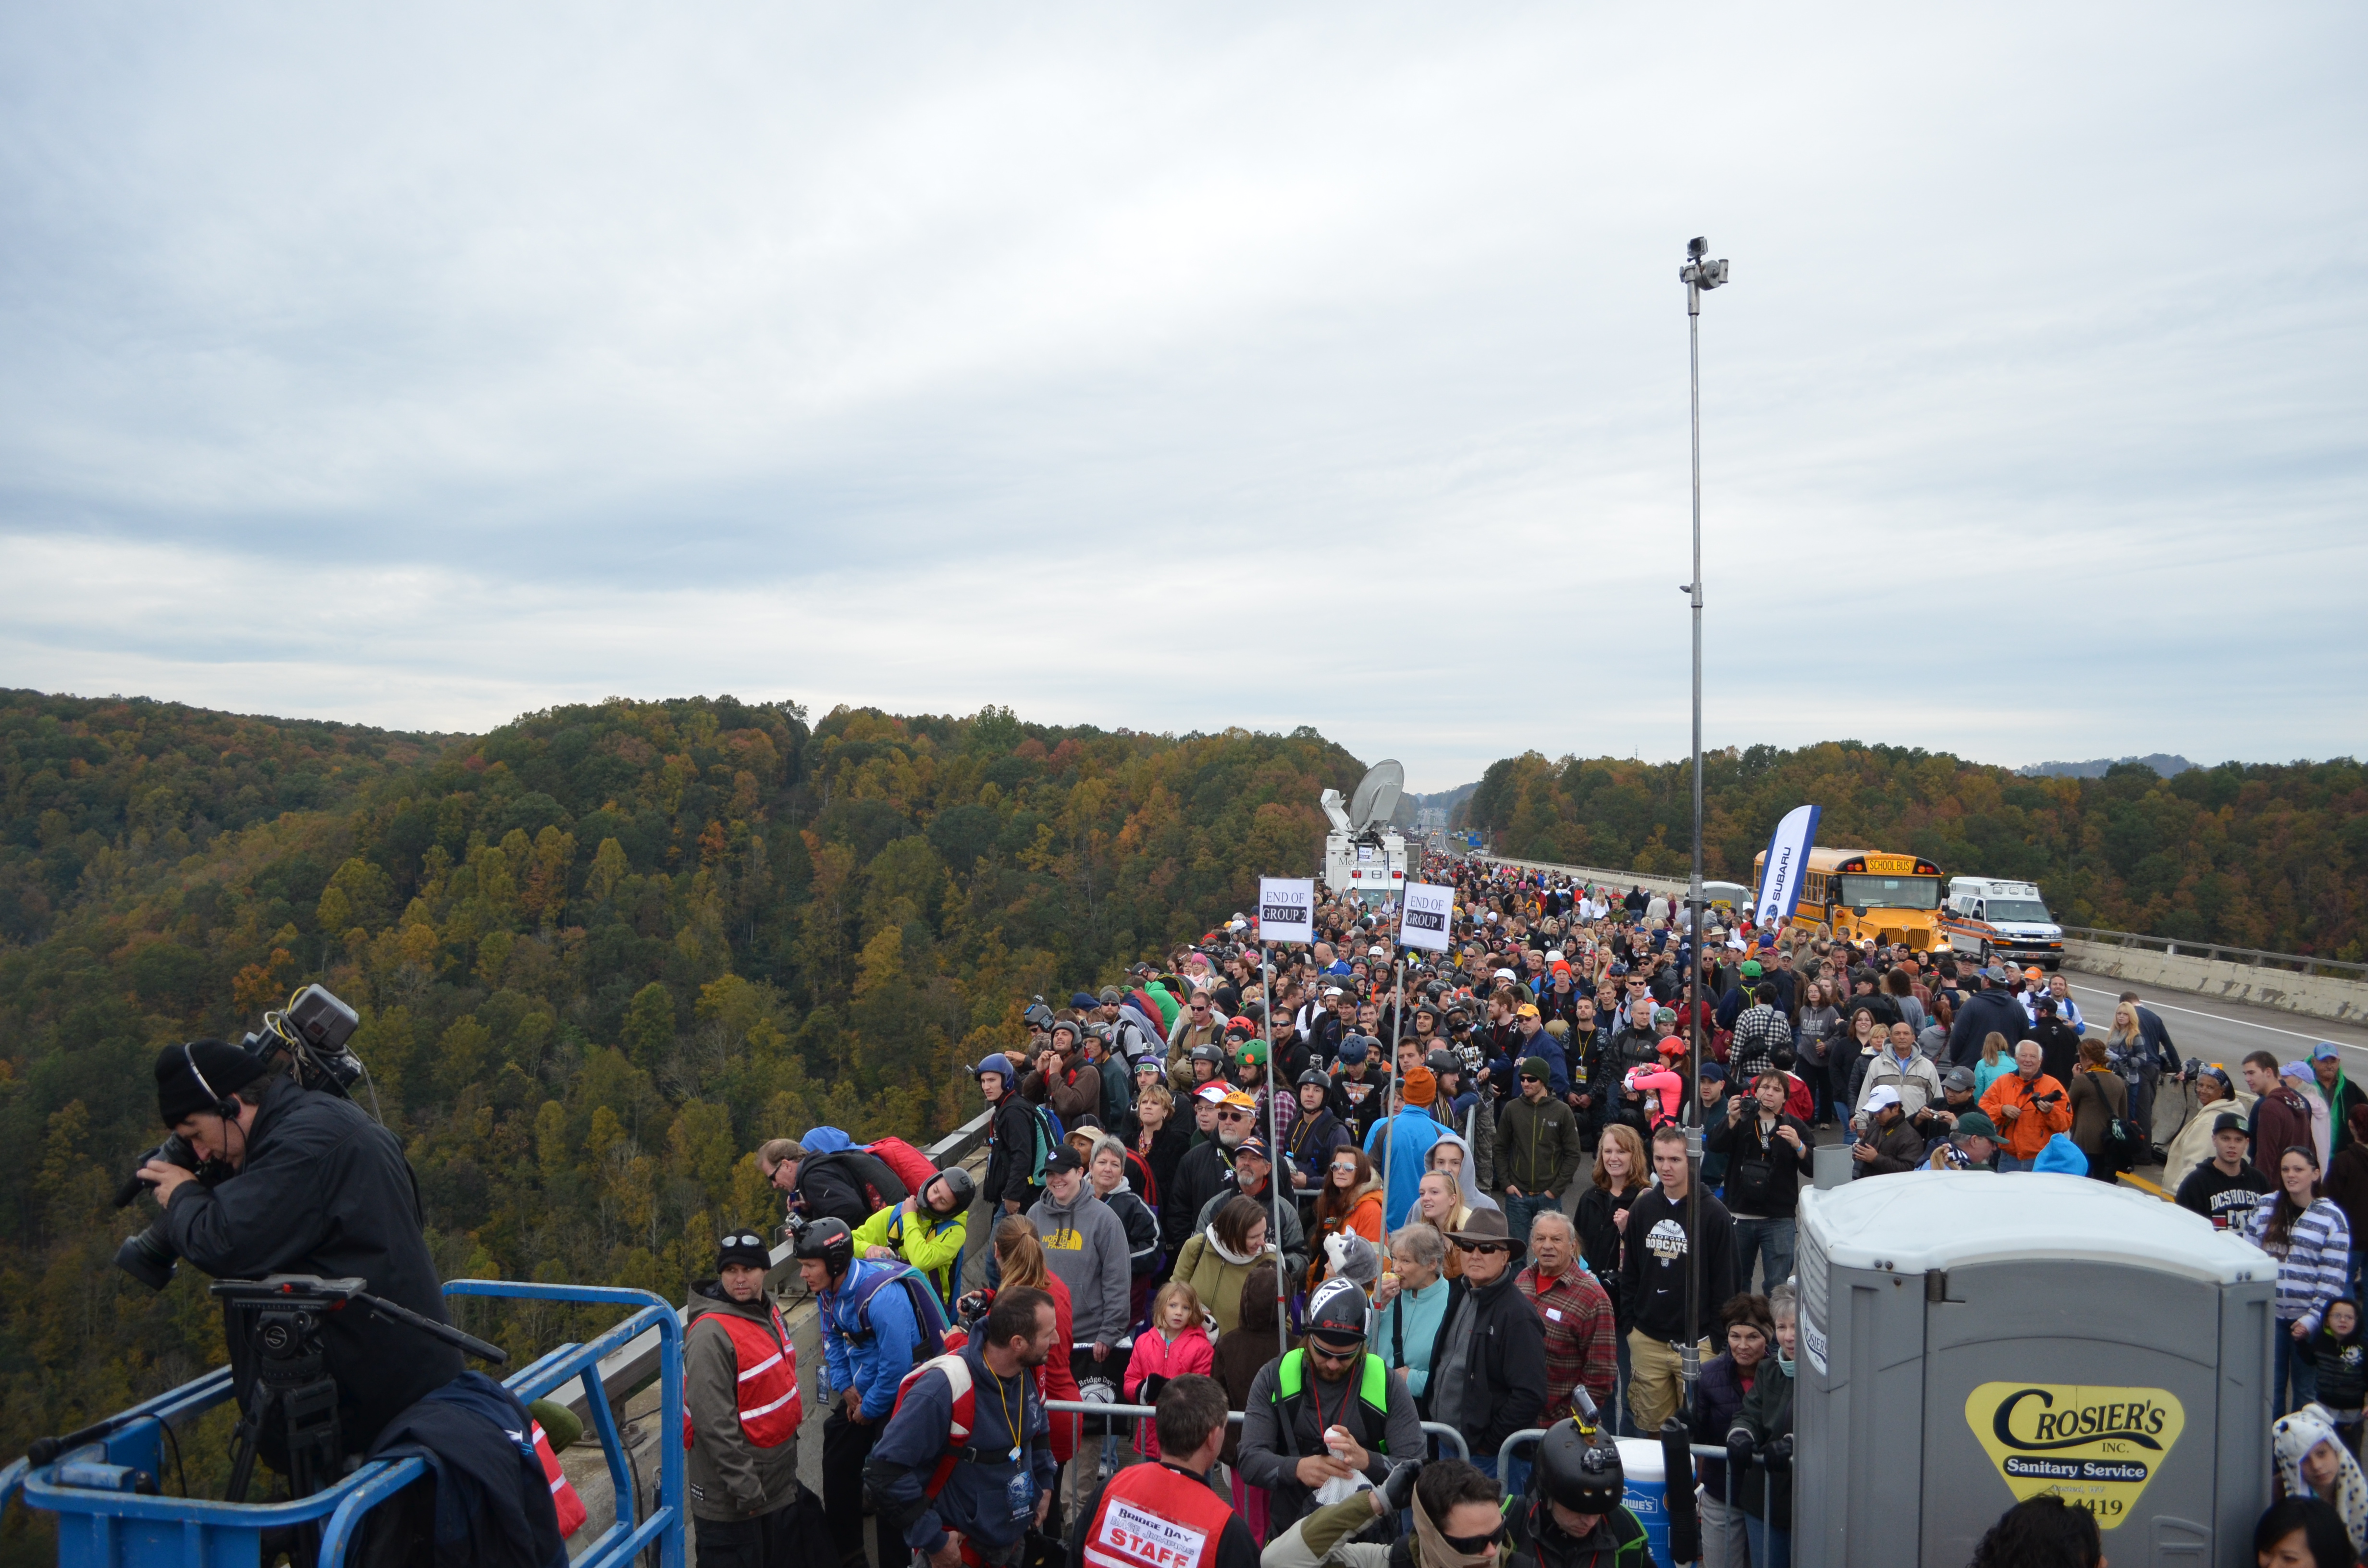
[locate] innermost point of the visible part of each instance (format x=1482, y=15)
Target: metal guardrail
x=1233, y=1418
x=1675, y=886
x=104, y=1519
x=2217, y=953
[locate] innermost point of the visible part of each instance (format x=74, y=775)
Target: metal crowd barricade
x=106, y=1520
x=1699, y=1450
x=1233, y=1418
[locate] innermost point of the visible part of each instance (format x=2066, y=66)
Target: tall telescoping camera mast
x=1699, y=274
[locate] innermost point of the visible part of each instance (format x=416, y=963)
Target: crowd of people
x=1359, y=1188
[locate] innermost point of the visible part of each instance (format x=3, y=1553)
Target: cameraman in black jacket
x=315, y=1187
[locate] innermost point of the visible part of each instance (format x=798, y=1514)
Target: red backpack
x=912, y=1166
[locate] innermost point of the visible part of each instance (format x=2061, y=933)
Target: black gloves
x=1739, y=1448
x=1398, y=1490
x=1779, y=1456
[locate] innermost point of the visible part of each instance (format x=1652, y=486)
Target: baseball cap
x=2227, y=1122
x=1504, y=974
x=2325, y=1051
x=1526, y=1010
x=1958, y=1079
x=1332, y=991
x=1212, y=1092
x=1061, y=1157
x=1751, y=969
x=1712, y=1073
x=1973, y=1124
x=1884, y=1097
x=1995, y=975
x=1252, y=1148
x=1239, y=1100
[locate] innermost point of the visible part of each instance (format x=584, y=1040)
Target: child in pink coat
x=1173, y=1345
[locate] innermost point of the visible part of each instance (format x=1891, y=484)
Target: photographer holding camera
x=2029, y=1105
x=297, y=1181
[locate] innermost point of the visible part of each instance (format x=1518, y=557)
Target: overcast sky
x=1175, y=368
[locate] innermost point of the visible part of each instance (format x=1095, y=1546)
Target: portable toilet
x=1967, y=1340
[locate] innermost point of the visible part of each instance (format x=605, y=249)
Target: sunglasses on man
x=1484, y=1246
x=1233, y=1116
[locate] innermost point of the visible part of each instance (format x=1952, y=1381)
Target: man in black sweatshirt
x=1659, y=1244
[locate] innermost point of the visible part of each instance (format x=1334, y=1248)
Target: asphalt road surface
x=2224, y=1032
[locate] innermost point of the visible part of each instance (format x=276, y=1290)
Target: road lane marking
x=2216, y=1018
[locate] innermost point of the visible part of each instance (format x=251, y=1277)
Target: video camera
x=310, y=1035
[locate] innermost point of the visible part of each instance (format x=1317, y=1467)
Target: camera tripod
x=294, y=1399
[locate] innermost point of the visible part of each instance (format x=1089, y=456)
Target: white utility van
x=1990, y=920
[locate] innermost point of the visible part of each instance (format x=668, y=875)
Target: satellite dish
x=1402, y=819
x=1377, y=795
x=1330, y=802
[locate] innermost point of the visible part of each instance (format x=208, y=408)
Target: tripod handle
x=443, y=1331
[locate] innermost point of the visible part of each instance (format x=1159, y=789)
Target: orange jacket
x=2026, y=1134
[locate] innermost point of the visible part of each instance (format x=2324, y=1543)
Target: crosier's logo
x=2094, y=1447
x=2141, y=1423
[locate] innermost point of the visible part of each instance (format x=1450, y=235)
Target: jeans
x=2290, y=1369
x=2009, y=1162
x=1772, y=1241
x=1769, y=1549
x=1520, y=1212
x=1721, y=1532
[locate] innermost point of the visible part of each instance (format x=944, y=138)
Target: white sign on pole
x=1430, y=912
x=1286, y=909
x=1788, y=864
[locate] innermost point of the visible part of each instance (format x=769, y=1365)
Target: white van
x=1990, y=920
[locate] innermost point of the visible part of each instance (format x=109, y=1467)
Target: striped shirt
x=2311, y=1269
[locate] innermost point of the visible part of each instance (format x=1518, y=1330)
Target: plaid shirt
x=1580, y=1344
x=1760, y=1033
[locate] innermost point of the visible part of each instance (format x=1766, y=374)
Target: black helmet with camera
x=1585, y=1477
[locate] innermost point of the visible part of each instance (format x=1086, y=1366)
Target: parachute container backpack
x=1966, y=1341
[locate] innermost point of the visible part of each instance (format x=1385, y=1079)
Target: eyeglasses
x=1233, y=1116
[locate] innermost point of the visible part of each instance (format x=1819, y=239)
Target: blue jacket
x=1412, y=1132
x=976, y=1499
x=875, y=1360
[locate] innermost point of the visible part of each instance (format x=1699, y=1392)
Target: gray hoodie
x=1086, y=1245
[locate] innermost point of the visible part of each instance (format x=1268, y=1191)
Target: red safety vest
x=770, y=1406
x=563, y=1495
x=1153, y=1517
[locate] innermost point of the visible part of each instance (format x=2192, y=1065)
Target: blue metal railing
x=104, y=1522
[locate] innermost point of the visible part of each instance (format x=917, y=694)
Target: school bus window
x=1892, y=892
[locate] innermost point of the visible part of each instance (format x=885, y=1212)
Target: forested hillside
x=599, y=954
x=2259, y=856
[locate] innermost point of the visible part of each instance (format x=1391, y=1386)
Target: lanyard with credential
x=1011, y=1424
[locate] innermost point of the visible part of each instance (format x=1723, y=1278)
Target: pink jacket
x=1156, y=1356
x=1669, y=1085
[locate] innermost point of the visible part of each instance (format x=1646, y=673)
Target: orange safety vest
x=770, y=1406
x=563, y=1495
x=1154, y=1516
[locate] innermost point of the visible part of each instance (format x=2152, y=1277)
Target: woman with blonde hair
x=1620, y=1172
x=1997, y=1061
x=1021, y=1257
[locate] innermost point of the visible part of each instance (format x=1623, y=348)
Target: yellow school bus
x=1859, y=894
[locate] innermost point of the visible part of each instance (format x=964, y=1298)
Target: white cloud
x=1165, y=368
